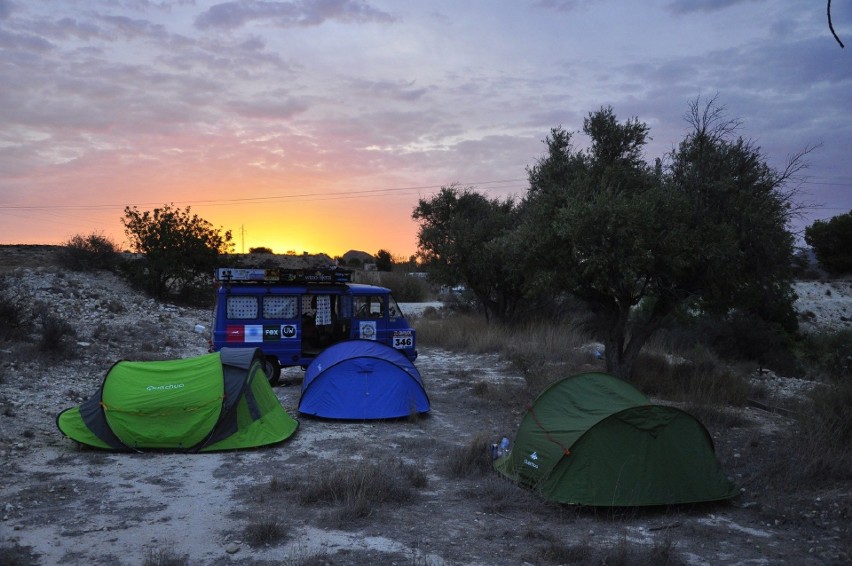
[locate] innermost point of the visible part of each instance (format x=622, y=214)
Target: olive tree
x=601, y=215
x=462, y=239
x=638, y=241
x=177, y=247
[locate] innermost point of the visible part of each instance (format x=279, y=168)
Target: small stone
x=232, y=548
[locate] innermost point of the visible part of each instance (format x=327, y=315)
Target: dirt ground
x=60, y=504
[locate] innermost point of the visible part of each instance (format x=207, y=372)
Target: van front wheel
x=272, y=369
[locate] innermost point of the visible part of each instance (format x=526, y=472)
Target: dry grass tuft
x=623, y=553
x=357, y=489
x=165, y=557
x=472, y=459
x=269, y=529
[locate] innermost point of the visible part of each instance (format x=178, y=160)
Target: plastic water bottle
x=504, y=446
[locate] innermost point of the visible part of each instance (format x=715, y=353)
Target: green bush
x=179, y=250
x=828, y=355
x=89, y=253
x=13, y=308
x=832, y=243
x=745, y=337
x=57, y=335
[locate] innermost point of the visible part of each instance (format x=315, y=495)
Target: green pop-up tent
x=593, y=439
x=218, y=401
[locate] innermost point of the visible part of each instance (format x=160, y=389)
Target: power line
x=338, y=195
x=341, y=195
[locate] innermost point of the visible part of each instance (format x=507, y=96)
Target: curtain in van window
x=242, y=307
x=323, y=310
x=279, y=306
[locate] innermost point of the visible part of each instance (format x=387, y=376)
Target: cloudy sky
x=316, y=125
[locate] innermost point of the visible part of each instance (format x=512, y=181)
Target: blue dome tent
x=362, y=380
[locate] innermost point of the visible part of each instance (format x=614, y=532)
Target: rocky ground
x=60, y=504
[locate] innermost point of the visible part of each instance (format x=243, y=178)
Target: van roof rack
x=250, y=275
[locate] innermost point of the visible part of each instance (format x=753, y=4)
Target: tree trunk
x=620, y=362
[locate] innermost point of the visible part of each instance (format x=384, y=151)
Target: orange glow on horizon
x=292, y=213
x=332, y=227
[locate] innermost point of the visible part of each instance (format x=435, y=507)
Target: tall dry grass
x=542, y=351
x=545, y=352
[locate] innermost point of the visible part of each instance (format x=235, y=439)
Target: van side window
x=279, y=306
x=369, y=307
x=240, y=306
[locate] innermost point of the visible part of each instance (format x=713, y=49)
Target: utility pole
x=243, y=238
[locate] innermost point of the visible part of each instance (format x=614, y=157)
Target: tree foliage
x=463, y=239
x=636, y=241
x=178, y=248
x=739, y=211
x=832, y=243
x=607, y=217
x=384, y=261
x=91, y=252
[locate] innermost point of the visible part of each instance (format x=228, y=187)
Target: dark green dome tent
x=593, y=439
x=219, y=401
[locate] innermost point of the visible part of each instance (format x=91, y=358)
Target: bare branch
x=709, y=119
x=788, y=184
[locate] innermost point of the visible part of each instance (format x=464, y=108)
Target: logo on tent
x=532, y=460
x=164, y=387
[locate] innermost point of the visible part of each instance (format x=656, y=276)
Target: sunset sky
x=316, y=125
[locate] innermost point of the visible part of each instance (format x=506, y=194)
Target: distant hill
x=362, y=257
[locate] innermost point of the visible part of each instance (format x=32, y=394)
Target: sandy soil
x=63, y=505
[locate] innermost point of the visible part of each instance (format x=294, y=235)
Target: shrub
x=16, y=555
x=745, y=337
x=13, y=308
x=57, y=335
x=832, y=242
x=180, y=250
x=828, y=354
x=88, y=253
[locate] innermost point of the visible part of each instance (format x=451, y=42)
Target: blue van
x=293, y=315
